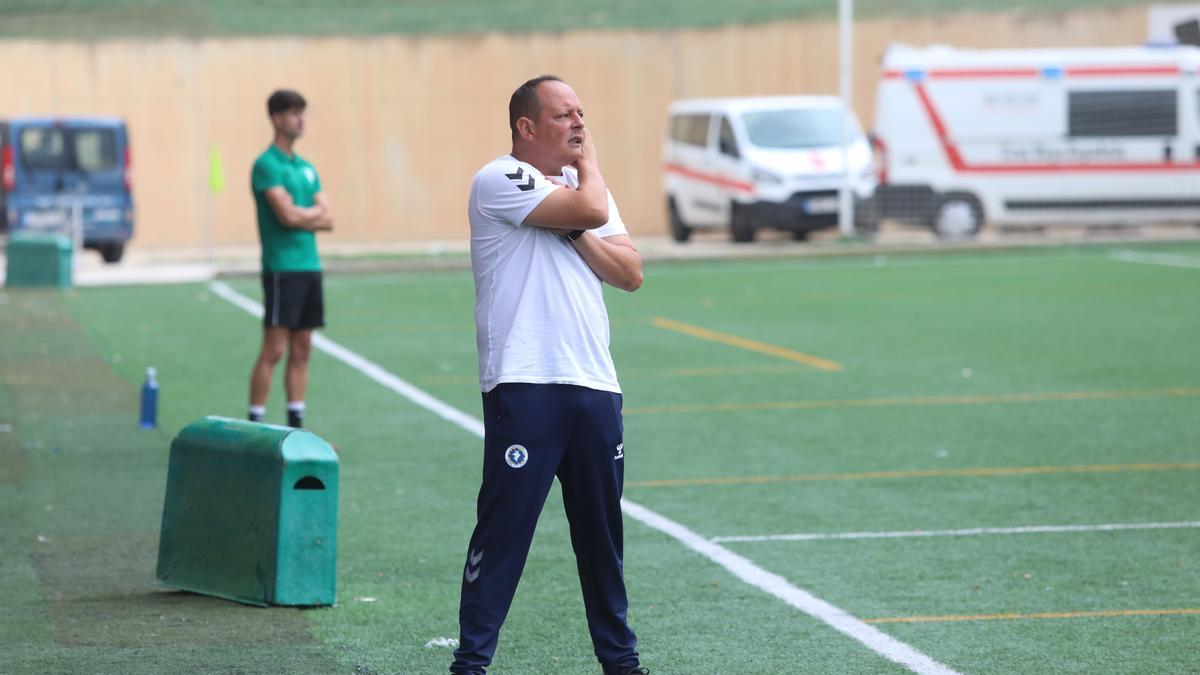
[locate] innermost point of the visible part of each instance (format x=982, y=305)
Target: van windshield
x=74, y=149
x=794, y=128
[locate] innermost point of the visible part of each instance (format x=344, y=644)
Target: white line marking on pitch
x=364, y=366
x=968, y=532
x=876, y=640
x=1167, y=259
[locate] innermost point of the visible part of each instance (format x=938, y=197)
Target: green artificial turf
x=1076, y=362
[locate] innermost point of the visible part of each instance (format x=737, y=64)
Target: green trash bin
x=250, y=514
x=34, y=259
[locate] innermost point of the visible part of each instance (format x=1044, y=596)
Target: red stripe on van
x=719, y=181
x=961, y=166
x=943, y=74
x=1124, y=71
x=939, y=127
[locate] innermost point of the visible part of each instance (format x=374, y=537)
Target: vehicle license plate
x=821, y=205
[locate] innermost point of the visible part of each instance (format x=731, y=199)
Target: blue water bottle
x=150, y=400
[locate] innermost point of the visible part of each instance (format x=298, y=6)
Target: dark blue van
x=59, y=173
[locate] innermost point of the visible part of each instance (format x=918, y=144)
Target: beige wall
x=398, y=125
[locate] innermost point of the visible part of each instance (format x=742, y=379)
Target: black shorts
x=293, y=299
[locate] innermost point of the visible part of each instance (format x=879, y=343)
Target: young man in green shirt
x=291, y=209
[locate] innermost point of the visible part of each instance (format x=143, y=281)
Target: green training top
x=285, y=249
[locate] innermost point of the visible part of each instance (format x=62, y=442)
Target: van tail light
x=879, y=157
x=7, y=170
x=128, y=169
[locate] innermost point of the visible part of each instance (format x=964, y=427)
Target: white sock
x=295, y=406
x=260, y=410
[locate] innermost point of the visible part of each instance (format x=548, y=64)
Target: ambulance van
x=1038, y=137
x=745, y=164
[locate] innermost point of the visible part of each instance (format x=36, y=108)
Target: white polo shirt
x=539, y=309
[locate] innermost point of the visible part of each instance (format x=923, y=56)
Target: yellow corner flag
x=216, y=174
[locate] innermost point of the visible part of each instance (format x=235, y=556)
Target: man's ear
x=525, y=127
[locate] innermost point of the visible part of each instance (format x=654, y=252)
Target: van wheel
x=800, y=235
x=679, y=230
x=957, y=216
x=741, y=226
x=112, y=252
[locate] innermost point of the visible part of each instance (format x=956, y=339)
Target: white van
x=751, y=163
x=1038, y=136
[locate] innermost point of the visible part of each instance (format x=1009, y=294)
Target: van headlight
x=761, y=176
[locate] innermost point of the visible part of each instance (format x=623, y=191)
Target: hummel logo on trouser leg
x=472, y=561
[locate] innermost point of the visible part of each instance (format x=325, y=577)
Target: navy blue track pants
x=534, y=432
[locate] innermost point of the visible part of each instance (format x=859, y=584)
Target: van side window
x=1122, y=113
x=726, y=141
x=690, y=129
x=43, y=148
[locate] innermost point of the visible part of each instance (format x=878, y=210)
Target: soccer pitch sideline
x=981, y=462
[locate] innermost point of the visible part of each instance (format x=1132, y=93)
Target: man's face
x=290, y=123
x=558, y=129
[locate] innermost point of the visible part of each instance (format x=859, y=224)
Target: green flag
x=216, y=174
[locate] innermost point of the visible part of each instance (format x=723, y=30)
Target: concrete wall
x=397, y=126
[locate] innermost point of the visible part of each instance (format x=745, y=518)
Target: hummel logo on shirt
x=517, y=176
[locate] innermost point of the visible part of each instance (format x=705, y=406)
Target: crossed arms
x=613, y=259
x=319, y=216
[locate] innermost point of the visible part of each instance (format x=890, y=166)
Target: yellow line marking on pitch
x=1043, y=615
x=745, y=343
x=663, y=373
x=914, y=401
x=714, y=371
x=918, y=473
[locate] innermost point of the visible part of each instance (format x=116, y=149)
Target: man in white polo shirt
x=545, y=236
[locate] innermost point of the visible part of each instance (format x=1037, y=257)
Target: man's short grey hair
x=525, y=101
